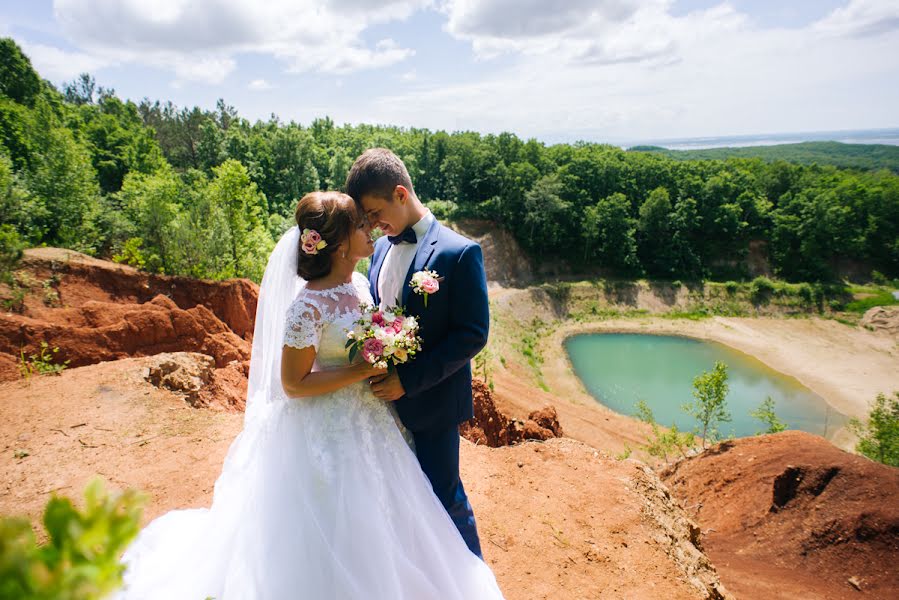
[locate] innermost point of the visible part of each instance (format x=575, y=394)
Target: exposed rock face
x=883, y=318
x=195, y=377
x=492, y=428
x=791, y=512
x=97, y=311
x=504, y=260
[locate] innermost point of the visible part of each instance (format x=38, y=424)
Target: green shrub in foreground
x=81, y=559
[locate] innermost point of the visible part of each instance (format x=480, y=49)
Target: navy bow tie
x=408, y=235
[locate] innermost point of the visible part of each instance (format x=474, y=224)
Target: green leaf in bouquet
x=353, y=351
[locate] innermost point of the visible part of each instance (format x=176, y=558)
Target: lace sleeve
x=304, y=325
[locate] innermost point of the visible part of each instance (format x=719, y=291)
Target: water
x=888, y=137
x=619, y=369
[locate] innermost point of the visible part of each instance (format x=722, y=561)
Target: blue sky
x=604, y=70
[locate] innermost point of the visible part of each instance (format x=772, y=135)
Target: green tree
x=879, y=437
x=243, y=208
x=18, y=80
x=765, y=413
x=151, y=204
x=544, y=215
x=709, y=407
x=655, y=235
x=608, y=233
x=64, y=185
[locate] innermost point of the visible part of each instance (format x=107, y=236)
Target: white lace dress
x=324, y=499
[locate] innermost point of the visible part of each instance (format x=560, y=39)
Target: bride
x=320, y=495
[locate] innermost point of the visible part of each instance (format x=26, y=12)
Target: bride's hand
x=367, y=370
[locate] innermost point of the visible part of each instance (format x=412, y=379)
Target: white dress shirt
x=392, y=276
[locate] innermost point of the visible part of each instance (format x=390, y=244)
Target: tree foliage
x=709, y=406
x=879, y=436
x=78, y=163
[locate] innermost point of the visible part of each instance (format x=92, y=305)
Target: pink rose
x=377, y=317
x=314, y=237
x=430, y=285
x=372, y=349
x=398, y=324
x=309, y=248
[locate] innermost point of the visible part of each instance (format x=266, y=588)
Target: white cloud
x=59, y=65
x=198, y=39
x=711, y=72
x=862, y=18
x=597, y=31
x=258, y=85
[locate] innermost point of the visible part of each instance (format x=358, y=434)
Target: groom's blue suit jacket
x=453, y=327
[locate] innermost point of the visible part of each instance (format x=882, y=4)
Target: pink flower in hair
x=312, y=241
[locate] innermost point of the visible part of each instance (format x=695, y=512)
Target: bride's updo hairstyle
x=333, y=215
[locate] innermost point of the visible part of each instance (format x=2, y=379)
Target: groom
x=433, y=391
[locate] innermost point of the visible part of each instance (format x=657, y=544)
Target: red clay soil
x=792, y=516
x=96, y=311
x=492, y=428
x=558, y=520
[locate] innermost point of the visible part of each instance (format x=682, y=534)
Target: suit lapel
x=376, y=264
x=422, y=256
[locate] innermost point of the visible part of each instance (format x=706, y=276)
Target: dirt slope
x=791, y=516
x=558, y=519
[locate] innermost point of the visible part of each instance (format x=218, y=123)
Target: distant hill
x=854, y=156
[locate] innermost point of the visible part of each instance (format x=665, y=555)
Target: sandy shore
x=846, y=366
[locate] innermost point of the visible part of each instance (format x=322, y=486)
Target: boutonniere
x=425, y=283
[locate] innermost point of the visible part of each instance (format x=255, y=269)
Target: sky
x=557, y=70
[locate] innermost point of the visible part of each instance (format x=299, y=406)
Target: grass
x=881, y=297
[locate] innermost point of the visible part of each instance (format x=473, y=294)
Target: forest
x=854, y=156
x=206, y=192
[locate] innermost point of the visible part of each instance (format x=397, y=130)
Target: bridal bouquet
x=385, y=338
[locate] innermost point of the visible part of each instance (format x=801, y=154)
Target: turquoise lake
x=619, y=369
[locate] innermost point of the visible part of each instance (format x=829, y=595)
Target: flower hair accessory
x=425, y=283
x=312, y=241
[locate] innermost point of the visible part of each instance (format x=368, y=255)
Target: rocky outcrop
x=195, y=377
x=77, y=278
x=882, y=318
x=504, y=260
x=96, y=311
x=790, y=511
x=492, y=428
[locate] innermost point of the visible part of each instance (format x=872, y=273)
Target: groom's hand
x=387, y=387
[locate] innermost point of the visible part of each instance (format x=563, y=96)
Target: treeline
x=205, y=192
x=851, y=156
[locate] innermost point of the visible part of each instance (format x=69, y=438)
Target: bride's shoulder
x=305, y=306
x=360, y=282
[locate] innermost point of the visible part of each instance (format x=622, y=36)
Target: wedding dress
x=318, y=497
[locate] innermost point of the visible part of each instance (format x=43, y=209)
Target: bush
x=765, y=413
x=443, y=209
x=663, y=443
x=879, y=437
x=80, y=560
x=11, y=246
x=761, y=289
x=806, y=293
x=731, y=287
